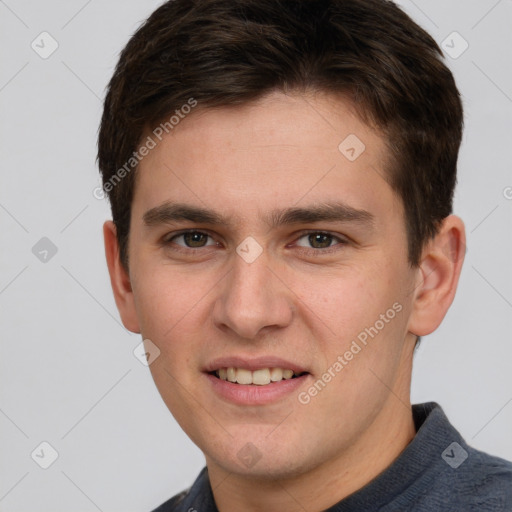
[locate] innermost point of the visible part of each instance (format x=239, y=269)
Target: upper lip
x=253, y=363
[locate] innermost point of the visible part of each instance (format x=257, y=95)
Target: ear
x=120, y=279
x=438, y=276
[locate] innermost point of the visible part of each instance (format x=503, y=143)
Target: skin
x=296, y=301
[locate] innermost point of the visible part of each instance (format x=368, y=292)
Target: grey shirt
x=437, y=471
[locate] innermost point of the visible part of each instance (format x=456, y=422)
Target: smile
x=260, y=377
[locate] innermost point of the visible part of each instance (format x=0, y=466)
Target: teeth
x=287, y=374
x=243, y=376
x=276, y=374
x=231, y=375
x=260, y=377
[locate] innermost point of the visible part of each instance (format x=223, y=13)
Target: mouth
x=260, y=381
x=259, y=377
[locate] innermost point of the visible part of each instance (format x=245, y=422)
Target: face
x=260, y=248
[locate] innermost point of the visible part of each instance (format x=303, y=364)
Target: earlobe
x=120, y=279
x=438, y=276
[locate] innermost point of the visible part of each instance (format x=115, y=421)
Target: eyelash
x=338, y=241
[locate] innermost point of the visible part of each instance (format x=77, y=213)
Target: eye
x=319, y=240
x=192, y=239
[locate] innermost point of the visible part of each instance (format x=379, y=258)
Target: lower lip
x=255, y=395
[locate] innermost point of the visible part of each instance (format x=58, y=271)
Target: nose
x=252, y=300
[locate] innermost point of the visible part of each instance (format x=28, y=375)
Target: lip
x=253, y=364
x=253, y=394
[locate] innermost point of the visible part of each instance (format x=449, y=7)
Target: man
x=281, y=176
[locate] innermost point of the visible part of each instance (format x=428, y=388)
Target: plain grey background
x=68, y=373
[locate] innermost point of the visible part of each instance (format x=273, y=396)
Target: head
x=281, y=177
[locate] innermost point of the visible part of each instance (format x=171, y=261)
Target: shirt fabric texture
x=437, y=471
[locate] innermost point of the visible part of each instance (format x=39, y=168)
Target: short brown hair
x=229, y=52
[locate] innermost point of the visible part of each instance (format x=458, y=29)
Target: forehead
x=279, y=151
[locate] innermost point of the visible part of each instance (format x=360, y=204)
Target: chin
x=260, y=456
x=265, y=468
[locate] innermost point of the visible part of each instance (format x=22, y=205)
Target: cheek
x=168, y=303
x=360, y=314
x=171, y=309
x=343, y=302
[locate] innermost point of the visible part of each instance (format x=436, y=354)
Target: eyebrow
x=325, y=212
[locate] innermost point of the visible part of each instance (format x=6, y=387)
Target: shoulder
x=454, y=476
x=198, y=498
x=484, y=482
x=174, y=504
